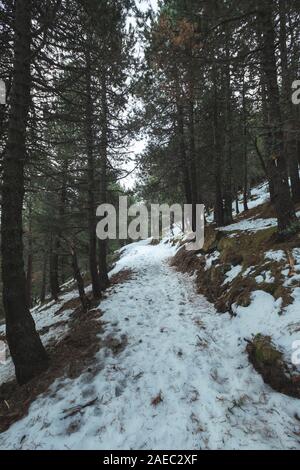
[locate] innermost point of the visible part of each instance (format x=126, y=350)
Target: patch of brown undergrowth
x=157, y=400
x=186, y=261
x=154, y=242
x=263, y=211
x=71, y=304
x=122, y=276
x=244, y=249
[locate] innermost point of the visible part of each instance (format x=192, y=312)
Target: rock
x=268, y=361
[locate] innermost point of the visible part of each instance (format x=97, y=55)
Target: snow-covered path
x=182, y=382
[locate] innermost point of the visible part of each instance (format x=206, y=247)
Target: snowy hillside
x=179, y=375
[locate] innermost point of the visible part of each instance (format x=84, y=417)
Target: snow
x=47, y=318
x=248, y=271
x=209, y=259
x=266, y=316
x=265, y=277
x=250, y=225
x=296, y=255
x=181, y=349
x=275, y=255
x=232, y=274
x=258, y=195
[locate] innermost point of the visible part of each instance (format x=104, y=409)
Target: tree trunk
x=181, y=144
x=266, y=138
x=29, y=259
x=103, y=274
x=228, y=139
x=27, y=351
x=290, y=122
x=218, y=208
x=277, y=166
x=192, y=146
x=80, y=284
x=245, y=149
x=237, y=207
x=96, y=285
x=44, y=278
x=54, y=282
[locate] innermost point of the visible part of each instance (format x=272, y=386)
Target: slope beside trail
x=183, y=380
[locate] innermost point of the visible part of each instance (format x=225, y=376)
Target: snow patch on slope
x=180, y=349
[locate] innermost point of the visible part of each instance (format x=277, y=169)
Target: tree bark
x=277, y=165
x=44, y=278
x=27, y=351
x=218, y=207
x=228, y=138
x=29, y=258
x=53, y=267
x=78, y=277
x=290, y=122
x=103, y=271
x=96, y=285
x=192, y=145
x=181, y=143
x=245, y=149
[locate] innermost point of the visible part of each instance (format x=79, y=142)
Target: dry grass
x=245, y=249
x=122, y=276
x=157, y=400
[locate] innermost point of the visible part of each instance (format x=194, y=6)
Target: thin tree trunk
x=245, y=149
x=53, y=267
x=55, y=243
x=44, y=278
x=29, y=259
x=228, y=139
x=103, y=271
x=27, y=351
x=218, y=208
x=182, y=146
x=237, y=208
x=266, y=138
x=96, y=285
x=79, y=279
x=192, y=146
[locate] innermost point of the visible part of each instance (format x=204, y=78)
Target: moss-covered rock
x=211, y=239
x=265, y=352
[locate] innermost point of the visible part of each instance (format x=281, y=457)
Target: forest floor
x=169, y=371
